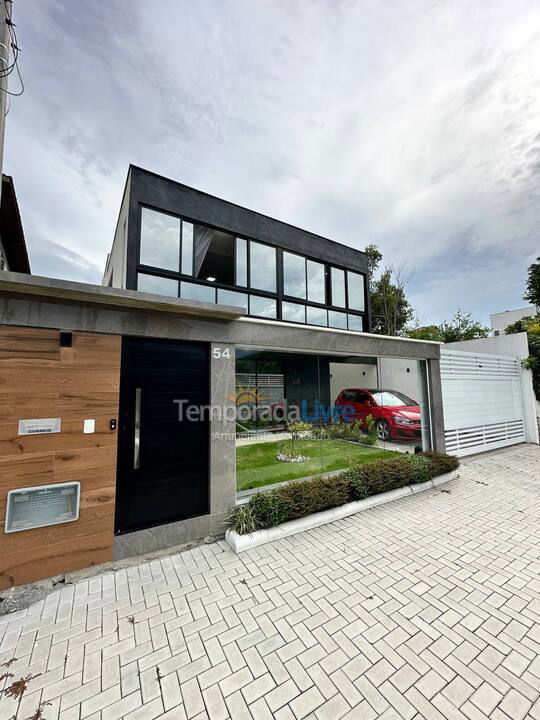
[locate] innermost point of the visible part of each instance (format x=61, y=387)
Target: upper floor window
x=262, y=267
x=213, y=255
x=160, y=240
x=355, y=290
x=338, y=287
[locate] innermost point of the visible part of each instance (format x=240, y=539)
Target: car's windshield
x=392, y=398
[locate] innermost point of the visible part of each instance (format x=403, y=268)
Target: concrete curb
x=239, y=543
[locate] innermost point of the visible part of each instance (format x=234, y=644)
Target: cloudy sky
x=412, y=125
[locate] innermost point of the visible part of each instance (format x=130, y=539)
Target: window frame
x=279, y=295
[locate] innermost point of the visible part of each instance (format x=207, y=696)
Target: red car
x=396, y=415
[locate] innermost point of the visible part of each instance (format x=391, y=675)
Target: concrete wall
x=500, y=321
x=116, y=267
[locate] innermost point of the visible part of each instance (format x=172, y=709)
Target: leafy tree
x=532, y=288
x=530, y=325
x=460, y=327
x=374, y=256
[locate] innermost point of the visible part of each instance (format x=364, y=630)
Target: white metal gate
x=482, y=401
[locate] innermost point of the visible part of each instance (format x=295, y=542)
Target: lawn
x=256, y=465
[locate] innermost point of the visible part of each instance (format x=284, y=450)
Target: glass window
x=317, y=316
x=229, y=297
x=355, y=290
x=157, y=285
x=293, y=312
x=213, y=255
x=338, y=287
x=261, y=306
x=337, y=319
x=294, y=275
x=241, y=262
x=160, y=240
x=192, y=291
x=187, y=248
x=315, y=282
x=356, y=322
x=262, y=266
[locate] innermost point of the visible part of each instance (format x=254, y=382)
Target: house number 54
x=219, y=353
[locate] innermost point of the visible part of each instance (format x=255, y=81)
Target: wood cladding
x=40, y=379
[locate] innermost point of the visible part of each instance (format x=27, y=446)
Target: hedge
x=304, y=497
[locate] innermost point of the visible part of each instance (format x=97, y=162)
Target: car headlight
x=403, y=420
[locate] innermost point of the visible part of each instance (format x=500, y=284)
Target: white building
x=500, y=321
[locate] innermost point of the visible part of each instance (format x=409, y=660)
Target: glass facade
x=352, y=408
x=199, y=262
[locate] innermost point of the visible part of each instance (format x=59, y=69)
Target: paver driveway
x=428, y=607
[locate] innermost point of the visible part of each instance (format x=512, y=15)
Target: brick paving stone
x=426, y=608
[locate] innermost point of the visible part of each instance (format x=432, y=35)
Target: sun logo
x=246, y=396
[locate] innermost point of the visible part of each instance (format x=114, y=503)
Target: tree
x=530, y=325
x=532, y=288
x=390, y=309
x=374, y=257
x=460, y=327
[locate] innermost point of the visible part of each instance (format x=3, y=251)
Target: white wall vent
x=41, y=506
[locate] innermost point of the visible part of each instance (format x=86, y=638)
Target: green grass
x=256, y=465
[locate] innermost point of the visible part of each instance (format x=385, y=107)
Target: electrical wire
x=13, y=66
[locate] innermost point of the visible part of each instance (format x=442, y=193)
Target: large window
x=262, y=267
x=357, y=408
x=198, y=262
x=294, y=275
x=160, y=240
x=355, y=290
x=213, y=256
x=338, y=287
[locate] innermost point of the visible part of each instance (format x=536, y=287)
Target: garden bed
x=257, y=464
x=302, y=505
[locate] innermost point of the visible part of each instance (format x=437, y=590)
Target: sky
x=411, y=125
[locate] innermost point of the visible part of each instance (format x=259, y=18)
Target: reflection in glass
x=315, y=282
x=355, y=290
x=294, y=275
x=229, y=297
x=338, y=287
x=157, y=285
x=160, y=240
x=261, y=306
x=187, y=248
x=317, y=316
x=293, y=312
x=262, y=267
x=356, y=322
x=192, y=291
x=337, y=319
x=241, y=262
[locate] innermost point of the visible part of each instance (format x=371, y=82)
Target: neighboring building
x=13, y=253
x=177, y=241
x=500, y=321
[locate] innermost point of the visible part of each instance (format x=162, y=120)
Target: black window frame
x=279, y=295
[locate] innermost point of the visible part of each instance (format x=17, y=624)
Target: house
x=133, y=414
x=501, y=320
x=13, y=253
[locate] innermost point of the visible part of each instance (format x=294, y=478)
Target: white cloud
x=414, y=126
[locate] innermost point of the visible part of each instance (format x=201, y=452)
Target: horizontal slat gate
x=482, y=401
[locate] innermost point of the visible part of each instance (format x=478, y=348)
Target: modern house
x=128, y=409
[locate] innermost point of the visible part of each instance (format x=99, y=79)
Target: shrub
x=421, y=468
x=305, y=497
x=440, y=462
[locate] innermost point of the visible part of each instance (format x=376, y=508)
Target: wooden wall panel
x=39, y=379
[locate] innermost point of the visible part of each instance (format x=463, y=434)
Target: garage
x=482, y=401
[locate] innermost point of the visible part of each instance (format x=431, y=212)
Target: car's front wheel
x=383, y=430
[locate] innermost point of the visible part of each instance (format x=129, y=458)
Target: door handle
x=137, y=438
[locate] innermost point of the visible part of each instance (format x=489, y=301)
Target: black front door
x=162, y=444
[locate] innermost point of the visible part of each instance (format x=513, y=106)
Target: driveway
x=428, y=607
